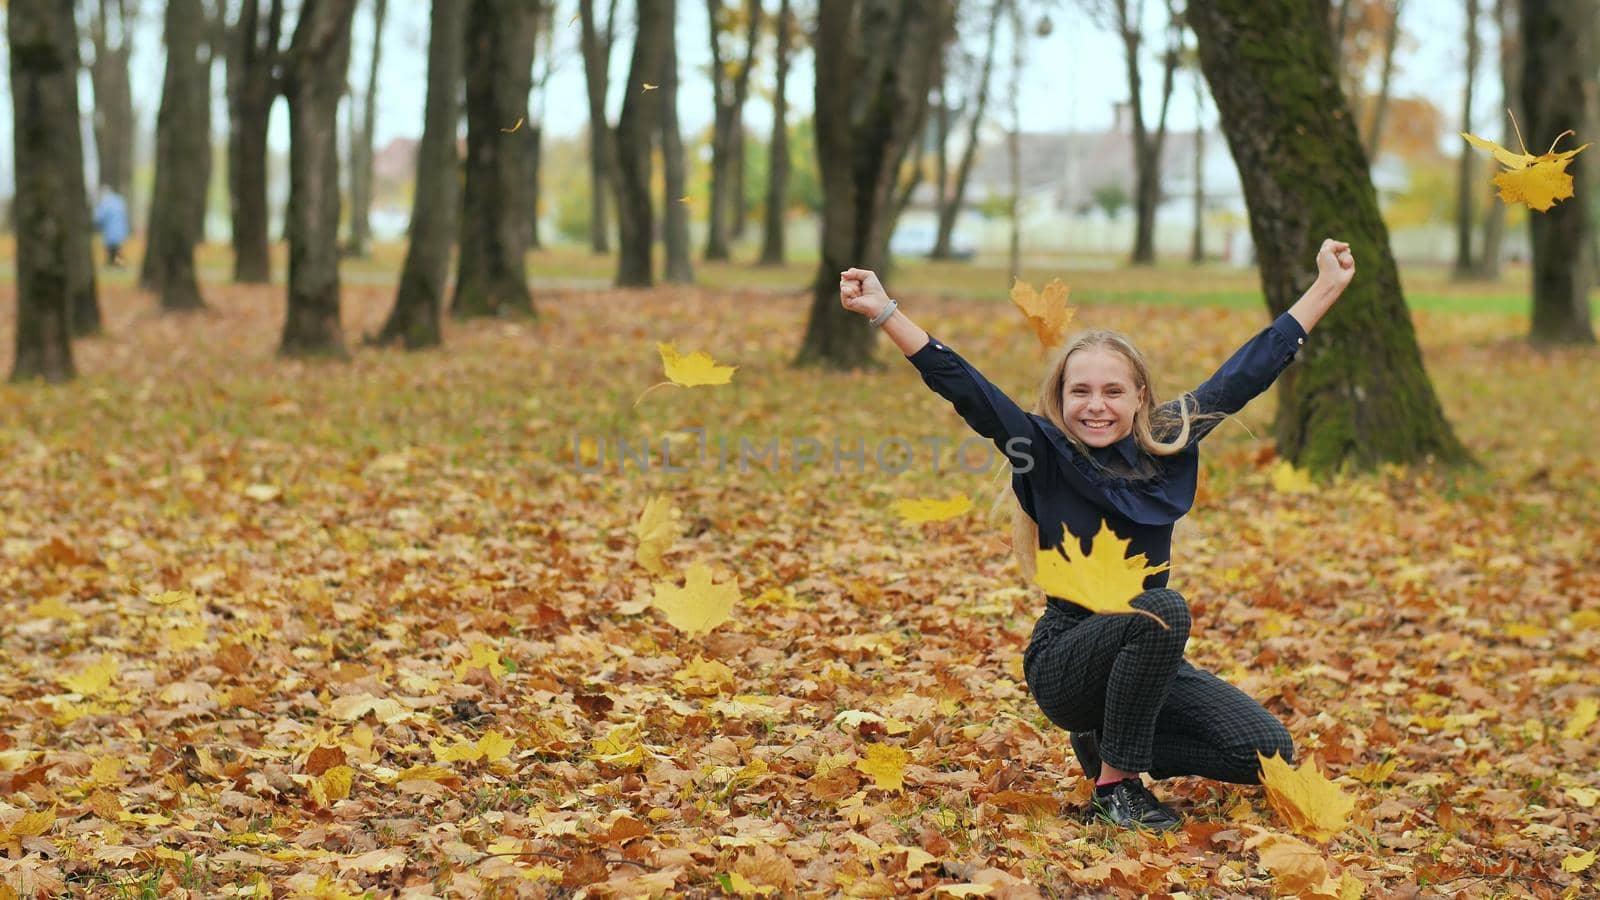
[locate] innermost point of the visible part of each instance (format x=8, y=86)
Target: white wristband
x=880, y=318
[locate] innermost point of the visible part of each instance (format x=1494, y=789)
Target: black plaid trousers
x=1124, y=677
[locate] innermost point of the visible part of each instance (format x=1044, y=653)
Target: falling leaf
x=656, y=530
x=650, y=87
x=699, y=606
x=1538, y=182
x=1105, y=580
x=1312, y=805
x=1046, y=311
x=694, y=370
x=918, y=511
x=513, y=128
x=885, y=765
x=1577, y=862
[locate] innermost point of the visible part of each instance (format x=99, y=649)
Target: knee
x=1276, y=742
x=1170, y=607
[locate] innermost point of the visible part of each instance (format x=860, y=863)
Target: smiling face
x=1099, y=396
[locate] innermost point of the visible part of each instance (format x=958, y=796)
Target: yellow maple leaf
x=1375, y=772
x=1577, y=862
x=917, y=511
x=354, y=706
x=1538, y=182
x=495, y=746
x=699, y=606
x=172, y=598
x=1583, y=716
x=1299, y=869
x=336, y=782
x=1046, y=311
x=695, y=370
x=1286, y=479
x=656, y=530
x=1106, y=580
x=94, y=679
x=460, y=751
x=886, y=766
x=1311, y=804
x=482, y=655
x=704, y=676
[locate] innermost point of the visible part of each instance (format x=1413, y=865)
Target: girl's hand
x=1335, y=264
x=861, y=292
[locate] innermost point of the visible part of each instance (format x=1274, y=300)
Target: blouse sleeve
x=1244, y=376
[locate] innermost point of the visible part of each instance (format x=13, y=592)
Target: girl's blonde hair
x=1148, y=419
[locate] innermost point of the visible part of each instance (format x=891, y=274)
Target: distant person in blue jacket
x=111, y=220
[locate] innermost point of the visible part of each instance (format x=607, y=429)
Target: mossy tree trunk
x=1559, y=84
x=183, y=160
x=42, y=42
x=875, y=62
x=1359, y=394
x=420, y=298
x=636, y=127
x=492, y=274
x=316, y=64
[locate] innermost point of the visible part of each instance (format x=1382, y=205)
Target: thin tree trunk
x=1359, y=395
x=904, y=189
x=1014, y=144
x=874, y=63
x=535, y=153
x=84, y=292
x=1494, y=220
x=1341, y=23
x=778, y=149
x=1147, y=147
x=726, y=217
x=419, y=301
x=183, y=160
x=252, y=87
x=950, y=206
x=361, y=145
x=1559, y=87
x=315, y=75
x=674, y=206
x=492, y=276
x=596, y=49
x=113, y=101
x=1197, y=239
x=1465, y=188
x=42, y=39
x=638, y=124
x=1380, y=104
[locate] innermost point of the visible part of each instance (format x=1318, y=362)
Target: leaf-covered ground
x=277, y=628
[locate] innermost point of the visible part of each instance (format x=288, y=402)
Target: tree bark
x=1014, y=145
x=1147, y=147
x=874, y=64
x=596, y=48
x=1197, y=238
x=113, y=101
x=42, y=39
x=639, y=122
x=419, y=301
x=1494, y=221
x=772, y=251
x=675, y=209
x=252, y=87
x=1559, y=87
x=728, y=92
x=1380, y=104
x=1359, y=395
x=950, y=207
x=315, y=70
x=1465, y=188
x=361, y=145
x=183, y=160
x=83, y=291
x=492, y=276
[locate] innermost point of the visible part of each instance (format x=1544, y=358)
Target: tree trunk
x=1147, y=147
x=1558, y=91
x=950, y=208
x=874, y=63
x=113, y=101
x=728, y=92
x=778, y=149
x=1014, y=144
x=638, y=124
x=1494, y=221
x=596, y=49
x=492, y=276
x=535, y=168
x=314, y=80
x=42, y=39
x=361, y=145
x=674, y=206
x=81, y=286
x=1465, y=188
x=252, y=87
x=183, y=160
x=418, y=302
x=1380, y=104
x=1359, y=395
x=1197, y=239
x=901, y=197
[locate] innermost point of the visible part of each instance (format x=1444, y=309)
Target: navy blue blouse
x=1138, y=495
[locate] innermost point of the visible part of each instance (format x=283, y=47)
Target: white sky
x=1071, y=79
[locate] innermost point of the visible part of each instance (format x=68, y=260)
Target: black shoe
x=1129, y=804
x=1086, y=746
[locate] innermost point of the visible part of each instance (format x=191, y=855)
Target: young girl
x=1097, y=448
